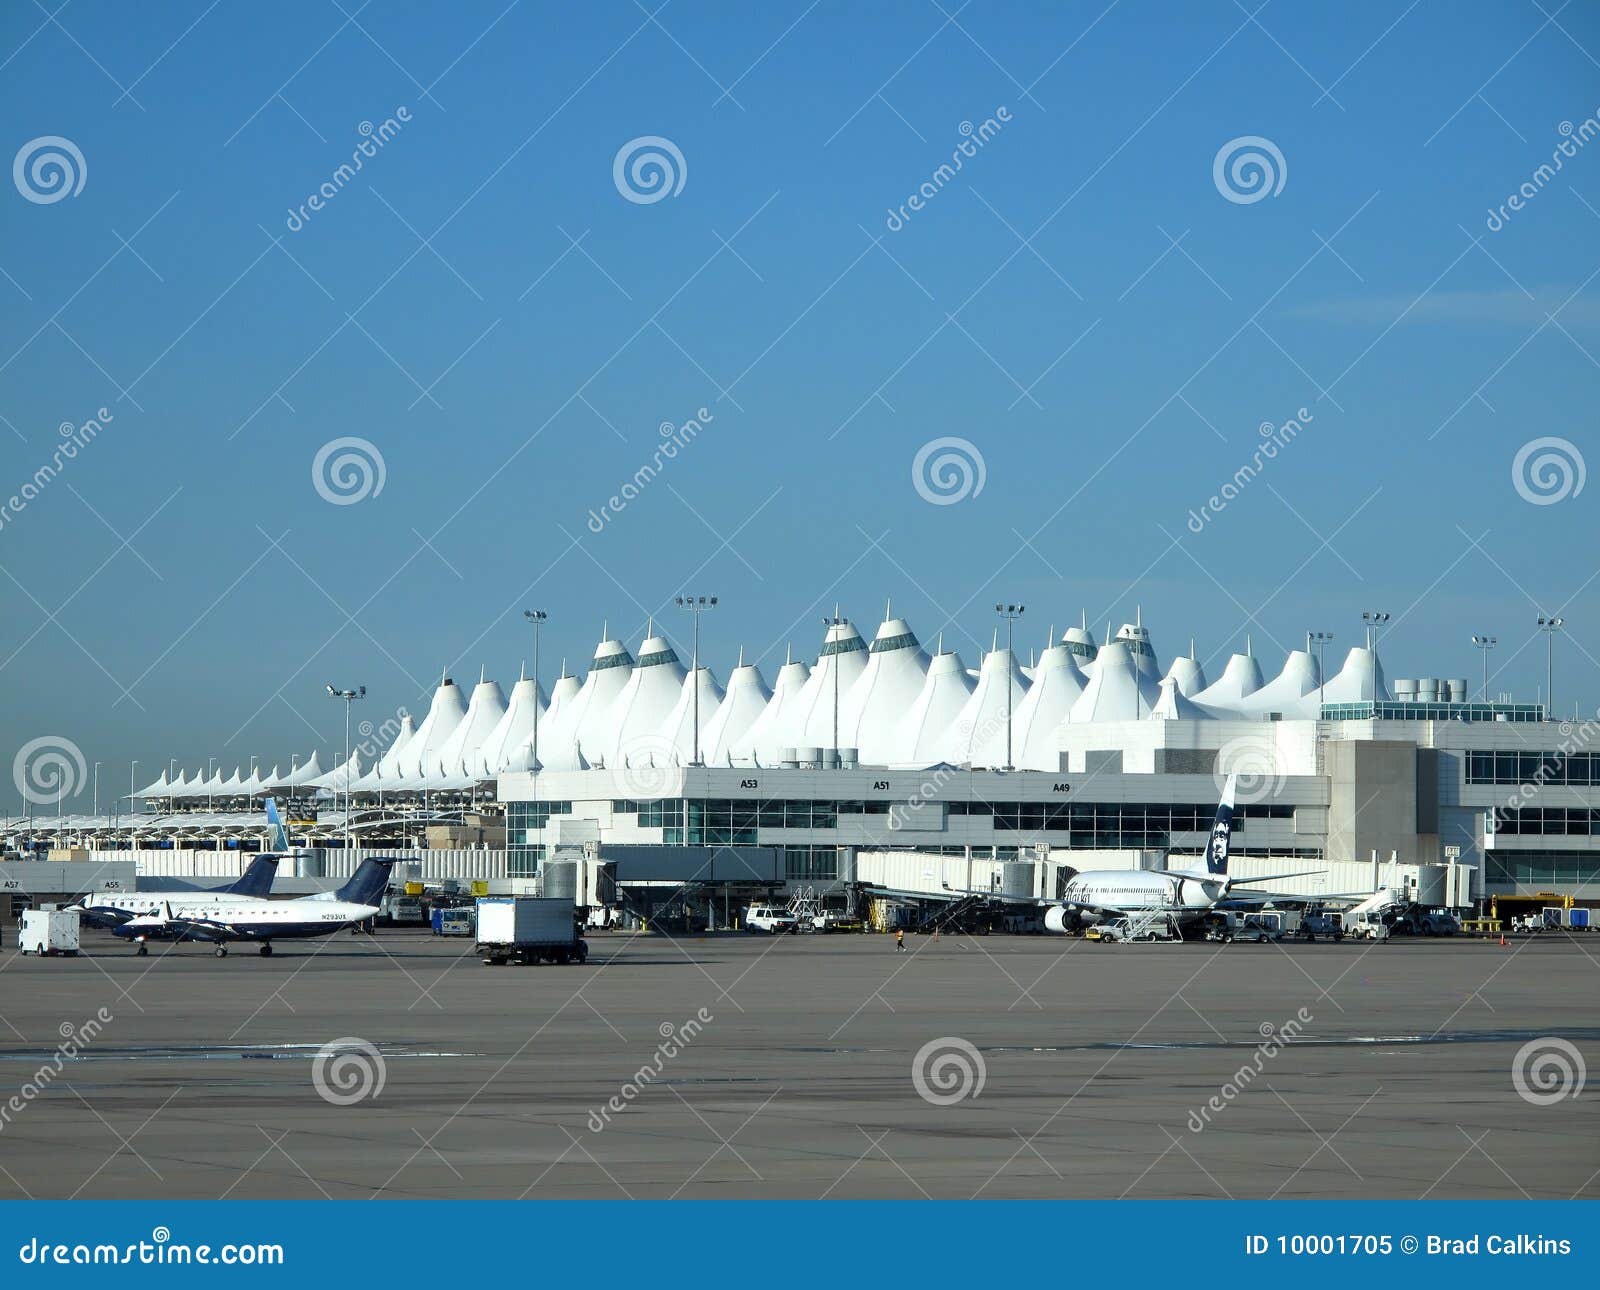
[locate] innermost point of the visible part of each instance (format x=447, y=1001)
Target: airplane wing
x=207, y=929
x=1237, y=897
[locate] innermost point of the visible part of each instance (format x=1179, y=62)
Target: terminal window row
x=1541, y=868
x=1581, y=769
x=1548, y=821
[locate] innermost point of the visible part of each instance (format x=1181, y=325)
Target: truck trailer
x=529, y=929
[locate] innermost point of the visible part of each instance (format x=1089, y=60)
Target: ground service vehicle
x=48, y=931
x=529, y=929
x=769, y=918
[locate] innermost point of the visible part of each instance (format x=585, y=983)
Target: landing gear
x=222, y=951
x=143, y=948
x=266, y=950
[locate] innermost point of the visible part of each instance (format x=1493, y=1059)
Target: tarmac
x=398, y=1065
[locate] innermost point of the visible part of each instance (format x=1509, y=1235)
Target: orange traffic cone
x=1502, y=940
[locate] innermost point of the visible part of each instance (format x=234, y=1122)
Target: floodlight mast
x=349, y=697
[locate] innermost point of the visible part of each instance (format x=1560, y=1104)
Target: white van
x=770, y=919
x=48, y=931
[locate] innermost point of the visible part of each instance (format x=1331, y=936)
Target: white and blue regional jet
x=196, y=918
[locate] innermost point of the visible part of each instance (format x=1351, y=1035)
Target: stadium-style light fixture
x=1010, y=613
x=349, y=697
x=696, y=605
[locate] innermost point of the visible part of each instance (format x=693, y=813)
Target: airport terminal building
x=883, y=760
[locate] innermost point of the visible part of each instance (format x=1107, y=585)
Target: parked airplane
x=264, y=921
x=111, y=907
x=1187, y=893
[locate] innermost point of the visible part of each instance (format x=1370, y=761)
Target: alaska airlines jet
x=262, y=921
x=1188, y=892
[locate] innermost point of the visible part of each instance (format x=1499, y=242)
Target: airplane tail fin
x=1214, y=864
x=257, y=878
x=367, y=884
x=279, y=836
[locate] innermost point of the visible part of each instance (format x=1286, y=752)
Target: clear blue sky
x=1110, y=382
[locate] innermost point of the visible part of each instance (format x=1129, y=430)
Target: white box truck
x=48, y=931
x=529, y=929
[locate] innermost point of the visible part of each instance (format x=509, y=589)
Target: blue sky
x=1081, y=303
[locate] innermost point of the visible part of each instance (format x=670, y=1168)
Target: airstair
x=1159, y=924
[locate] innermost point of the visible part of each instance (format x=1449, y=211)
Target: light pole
x=95, y=810
x=1374, y=619
x=172, y=768
x=349, y=697
x=1321, y=640
x=828, y=624
x=538, y=618
x=133, y=768
x=1549, y=625
x=696, y=605
x=1486, y=643
x=1011, y=613
x=210, y=779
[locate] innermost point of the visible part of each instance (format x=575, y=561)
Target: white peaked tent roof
x=1360, y=680
x=743, y=703
x=562, y=693
x=1174, y=706
x=156, y=788
x=515, y=726
x=643, y=703
x=1188, y=673
x=419, y=760
x=1057, y=683
x=763, y=742
x=978, y=737
x=675, y=734
x=923, y=730
x=843, y=653
x=389, y=763
x=1080, y=642
x=347, y=775
x=1137, y=635
x=1240, y=677
x=253, y=785
x=582, y=721
x=307, y=772
x=461, y=755
x=1116, y=691
x=889, y=685
x=1287, y=693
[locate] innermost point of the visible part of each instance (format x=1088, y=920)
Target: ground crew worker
x=900, y=939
